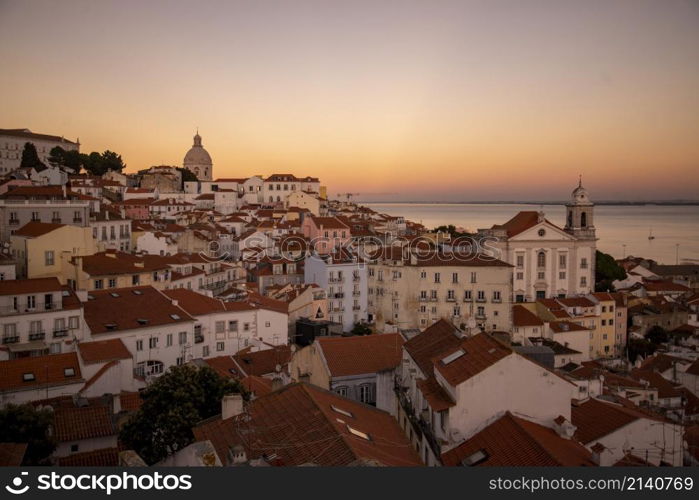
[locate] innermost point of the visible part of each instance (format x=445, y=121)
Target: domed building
x=198, y=161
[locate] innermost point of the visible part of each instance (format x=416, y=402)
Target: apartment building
x=411, y=291
x=49, y=204
x=38, y=316
x=345, y=281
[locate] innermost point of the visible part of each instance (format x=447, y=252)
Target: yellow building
x=607, y=328
x=114, y=269
x=44, y=250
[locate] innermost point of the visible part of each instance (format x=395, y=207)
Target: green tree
x=657, y=335
x=99, y=164
x=172, y=405
x=606, y=271
x=30, y=158
x=640, y=347
x=187, y=176
x=26, y=424
x=72, y=159
x=361, y=329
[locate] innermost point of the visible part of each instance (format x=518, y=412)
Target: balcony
x=451, y=299
x=339, y=295
x=198, y=339
x=356, y=279
x=61, y=332
x=336, y=280
x=56, y=220
x=468, y=299
x=497, y=301
x=10, y=339
x=356, y=308
x=480, y=299
x=37, y=336
x=356, y=293
x=422, y=299
x=14, y=222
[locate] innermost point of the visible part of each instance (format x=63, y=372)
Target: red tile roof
x=103, y=350
x=297, y=425
x=521, y=316
x=361, y=354
x=131, y=308
x=263, y=362
x=34, y=285
x=438, y=398
x=479, y=352
x=195, y=303
x=47, y=371
x=104, y=457
x=596, y=419
x=434, y=340
x=513, y=441
x=36, y=229
x=521, y=222
x=259, y=386
x=74, y=424
x=130, y=401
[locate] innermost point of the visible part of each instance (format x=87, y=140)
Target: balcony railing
x=10, y=339
x=198, y=339
x=339, y=295
x=356, y=308
x=422, y=299
x=61, y=332
x=356, y=293
x=480, y=299
x=14, y=222
x=497, y=301
x=451, y=299
x=37, y=336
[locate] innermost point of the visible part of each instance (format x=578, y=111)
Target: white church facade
x=549, y=261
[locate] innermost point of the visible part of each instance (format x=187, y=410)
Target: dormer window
x=69, y=372
x=28, y=377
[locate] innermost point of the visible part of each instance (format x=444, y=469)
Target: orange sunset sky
x=397, y=100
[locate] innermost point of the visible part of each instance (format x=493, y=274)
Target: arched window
x=541, y=259
x=583, y=219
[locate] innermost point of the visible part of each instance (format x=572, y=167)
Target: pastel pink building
x=325, y=233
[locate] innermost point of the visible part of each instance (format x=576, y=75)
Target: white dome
x=197, y=155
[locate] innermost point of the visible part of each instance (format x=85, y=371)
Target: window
x=541, y=259
x=246, y=327
x=423, y=275
x=153, y=342
x=342, y=391
x=481, y=295
x=365, y=393
x=73, y=322
x=450, y=294
x=520, y=261
x=481, y=311
x=112, y=283
x=520, y=276
x=183, y=338
x=474, y=277
x=28, y=377
x=48, y=258
x=69, y=372
x=562, y=261
x=139, y=345
x=220, y=346
x=467, y=294
x=454, y=277
x=496, y=295
x=205, y=351
x=583, y=281
x=221, y=326
x=31, y=302
x=168, y=340
x=436, y=277
x=135, y=279
x=232, y=326
x=180, y=361
x=562, y=275
x=583, y=263
x=99, y=284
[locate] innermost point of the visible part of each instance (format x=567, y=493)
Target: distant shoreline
x=598, y=203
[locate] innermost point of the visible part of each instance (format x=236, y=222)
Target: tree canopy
x=26, y=424
x=361, y=329
x=30, y=158
x=606, y=271
x=94, y=163
x=172, y=405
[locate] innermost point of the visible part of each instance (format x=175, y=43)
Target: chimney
x=601, y=455
x=231, y=405
x=277, y=383
x=563, y=427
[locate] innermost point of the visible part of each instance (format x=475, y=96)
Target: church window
x=583, y=220
x=541, y=259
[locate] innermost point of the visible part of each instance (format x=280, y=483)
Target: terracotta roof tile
x=73, y=424
x=47, y=370
x=297, y=425
x=521, y=316
x=514, y=441
x=103, y=350
x=361, y=354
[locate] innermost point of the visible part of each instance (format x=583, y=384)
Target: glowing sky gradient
x=400, y=100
